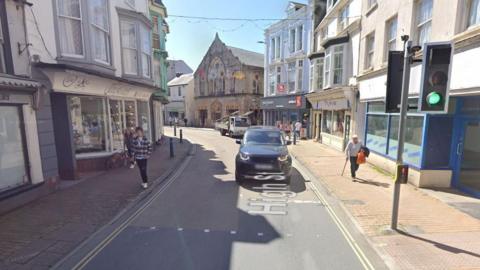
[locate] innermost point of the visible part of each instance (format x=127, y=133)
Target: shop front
x=98, y=112
x=281, y=111
x=332, y=117
x=20, y=162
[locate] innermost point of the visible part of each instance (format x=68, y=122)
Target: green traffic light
x=434, y=98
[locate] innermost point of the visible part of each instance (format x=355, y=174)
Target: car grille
x=263, y=159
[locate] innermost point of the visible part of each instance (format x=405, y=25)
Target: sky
x=190, y=38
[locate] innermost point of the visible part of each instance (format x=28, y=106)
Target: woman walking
x=127, y=144
x=142, y=151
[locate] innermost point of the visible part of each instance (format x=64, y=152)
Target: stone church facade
x=227, y=80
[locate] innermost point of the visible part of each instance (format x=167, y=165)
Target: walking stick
x=344, y=166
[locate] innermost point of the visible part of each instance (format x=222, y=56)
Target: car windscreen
x=241, y=122
x=263, y=137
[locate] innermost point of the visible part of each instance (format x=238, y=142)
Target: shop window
x=116, y=123
x=338, y=123
x=376, y=107
x=377, y=133
x=143, y=117
x=327, y=122
x=413, y=139
x=88, y=124
x=130, y=114
x=13, y=171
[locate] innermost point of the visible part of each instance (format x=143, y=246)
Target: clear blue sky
x=189, y=39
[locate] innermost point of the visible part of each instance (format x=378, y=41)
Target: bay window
x=319, y=73
x=424, y=20
x=100, y=30
x=129, y=47
x=81, y=23
x=333, y=67
x=326, y=82
x=70, y=28
x=146, y=49
x=343, y=20
x=474, y=13
x=136, y=48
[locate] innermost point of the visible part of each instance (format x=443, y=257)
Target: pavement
x=200, y=218
x=438, y=229
x=39, y=234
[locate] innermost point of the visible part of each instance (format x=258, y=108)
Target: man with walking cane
x=351, y=151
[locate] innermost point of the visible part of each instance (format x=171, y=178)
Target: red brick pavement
x=436, y=235
x=40, y=233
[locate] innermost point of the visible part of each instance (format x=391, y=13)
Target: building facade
x=160, y=29
x=178, y=90
x=228, y=80
x=441, y=149
x=333, y=92
x=28, y=161
x=177, y=68
x=95, y=60
x=287, y=67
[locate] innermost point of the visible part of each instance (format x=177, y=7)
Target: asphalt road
x=201, y=219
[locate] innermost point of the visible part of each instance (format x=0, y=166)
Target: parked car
x=263, y=155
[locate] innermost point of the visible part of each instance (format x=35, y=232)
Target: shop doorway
x=467, y=172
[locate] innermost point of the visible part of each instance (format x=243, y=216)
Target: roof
x=248, y=58
x=182, y=80
x=15, y=81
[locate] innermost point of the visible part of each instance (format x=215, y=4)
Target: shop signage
x=74, y=82
x=287, y=102
x=332, y=104
x=298, y=101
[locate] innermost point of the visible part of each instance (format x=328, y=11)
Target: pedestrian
x=185, y=121
x=298, y=127
x=351, y=152
x=286, y=129
x=142, y=150
x=176, y=121
x=128, y=137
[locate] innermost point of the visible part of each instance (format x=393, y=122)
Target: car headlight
x=244, y=156
x=283, y=158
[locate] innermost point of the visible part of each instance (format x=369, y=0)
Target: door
x=467, y=173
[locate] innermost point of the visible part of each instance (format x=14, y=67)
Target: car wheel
x=238, y=178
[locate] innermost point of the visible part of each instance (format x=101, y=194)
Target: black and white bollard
x=171, y=148
x=181, y=136
x=175, y=130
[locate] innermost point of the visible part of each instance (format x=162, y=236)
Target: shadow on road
x=296, y=184
x=194, y=224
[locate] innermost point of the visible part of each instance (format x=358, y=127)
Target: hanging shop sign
x=331, y=104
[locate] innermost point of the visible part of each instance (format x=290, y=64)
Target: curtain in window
x=70, y=27
x=100, y=32
x=146, y=47
x=474, y=17
x=129, y=47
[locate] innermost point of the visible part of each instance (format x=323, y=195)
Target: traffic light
x=393, y=97
x=435, y=77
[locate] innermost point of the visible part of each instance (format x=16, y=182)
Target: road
x=201, y=218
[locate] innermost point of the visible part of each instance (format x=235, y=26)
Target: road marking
x=343, y=229
x=94, y=252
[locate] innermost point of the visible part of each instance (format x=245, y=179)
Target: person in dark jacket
x=142, y=151
x=127, y=144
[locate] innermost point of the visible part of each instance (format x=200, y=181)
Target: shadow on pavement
x=440, y=245
x=194, y=224
x=371, y=182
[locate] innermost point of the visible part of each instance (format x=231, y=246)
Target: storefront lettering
x=74, y=80
x=333, y=104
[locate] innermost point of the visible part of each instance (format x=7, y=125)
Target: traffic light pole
x=401, y=130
